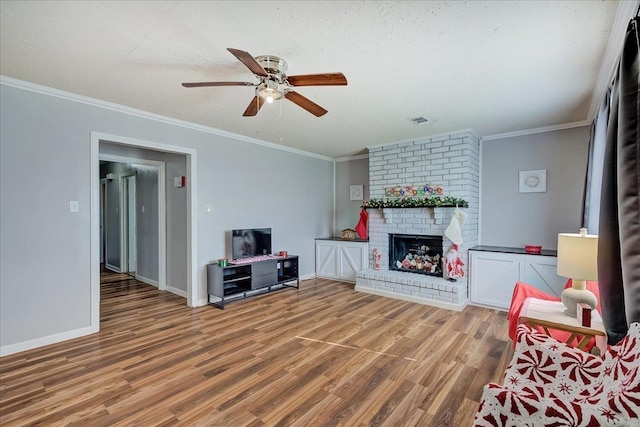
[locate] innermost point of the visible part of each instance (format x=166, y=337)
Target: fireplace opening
x=415, y=253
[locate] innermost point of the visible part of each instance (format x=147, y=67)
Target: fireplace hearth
x=416, y=253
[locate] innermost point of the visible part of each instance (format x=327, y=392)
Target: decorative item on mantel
x=424, y=190
x=413, y=202
x=361, y=226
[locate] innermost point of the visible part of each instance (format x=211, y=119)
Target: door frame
x=193, y=289
x=103, y=225
x=125, y=219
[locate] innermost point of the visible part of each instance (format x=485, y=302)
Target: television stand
x=248, y=277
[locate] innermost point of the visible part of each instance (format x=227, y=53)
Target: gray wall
x=510, y=218
x=45, y=250
x=350, y=172
x=177, y=239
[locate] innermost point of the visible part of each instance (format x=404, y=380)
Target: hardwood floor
x=322, y=355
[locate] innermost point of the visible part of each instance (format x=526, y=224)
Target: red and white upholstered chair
x=549, y=383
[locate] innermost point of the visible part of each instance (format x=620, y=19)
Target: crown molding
x=626, y=11
x=349, y=158
x=536, y=130
x=45, y=90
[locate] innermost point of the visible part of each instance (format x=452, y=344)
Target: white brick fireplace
x=451, y=161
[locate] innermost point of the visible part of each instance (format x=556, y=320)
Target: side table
x=550, y=315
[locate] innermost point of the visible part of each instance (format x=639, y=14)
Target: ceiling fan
x=275, y=84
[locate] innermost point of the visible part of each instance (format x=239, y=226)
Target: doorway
x=194, y=294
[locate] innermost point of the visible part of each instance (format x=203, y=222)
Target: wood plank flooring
x=323, y=355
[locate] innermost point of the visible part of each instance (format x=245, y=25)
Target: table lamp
x=578, y=260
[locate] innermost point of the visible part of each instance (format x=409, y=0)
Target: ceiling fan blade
x=249, y=61
x=203, y=84
x=327, y=79
x=254, y=106
x=305, y=103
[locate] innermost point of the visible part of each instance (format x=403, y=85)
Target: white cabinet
x=341, y=259
x=493, y=275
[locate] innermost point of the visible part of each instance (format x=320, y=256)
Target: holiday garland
x=410, y=202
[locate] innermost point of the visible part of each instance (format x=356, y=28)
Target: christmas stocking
x=454, y=230
x=361, y=228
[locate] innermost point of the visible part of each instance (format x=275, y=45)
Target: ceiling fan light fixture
x=270, y=91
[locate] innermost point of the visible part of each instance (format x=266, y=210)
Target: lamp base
x=572, y=296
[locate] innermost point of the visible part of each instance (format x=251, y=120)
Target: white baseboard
x=147, y=280
x=308, y=276
x=411, y=298
x=177, y=291
x=41, y=342
x=112, y=268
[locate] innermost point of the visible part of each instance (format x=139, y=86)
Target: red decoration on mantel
x=361, y=228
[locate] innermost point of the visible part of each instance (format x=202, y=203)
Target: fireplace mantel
x=387, y=213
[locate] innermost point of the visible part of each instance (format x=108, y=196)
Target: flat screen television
x=250, y=242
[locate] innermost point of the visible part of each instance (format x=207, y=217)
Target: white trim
x=333, y=220
x=480, y=141
x=192, y=225
x=147, y=280
x=124, y=257
x=307, y=276
x=536, y=130
x=349, y=158
x=103, y=224
x=48, y=340
x=453, y=133
x=177, y=291
x=20, y=84
x=113, y=268
x=411, y=298
x=626, y=10
x=162, y=209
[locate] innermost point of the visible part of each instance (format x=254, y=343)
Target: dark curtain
x=619, y=222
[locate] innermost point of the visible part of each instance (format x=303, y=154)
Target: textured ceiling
x=495, y=67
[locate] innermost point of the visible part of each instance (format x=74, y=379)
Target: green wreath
x=410, y=202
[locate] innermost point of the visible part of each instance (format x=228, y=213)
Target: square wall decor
x=534, y=181
x=356, y=192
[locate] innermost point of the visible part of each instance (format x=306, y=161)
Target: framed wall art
x=534, y=181
x=356, y=192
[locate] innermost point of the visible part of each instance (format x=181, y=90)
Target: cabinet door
x=327, y=259
x=493, y=277
x=353, y=258
x=264, y=273
x=540, y=271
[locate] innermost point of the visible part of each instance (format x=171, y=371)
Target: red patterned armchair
x=551, y=384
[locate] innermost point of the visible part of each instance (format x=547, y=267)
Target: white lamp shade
x=578, y=256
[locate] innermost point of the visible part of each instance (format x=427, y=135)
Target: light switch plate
x=208, y=208
x=74, y=206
